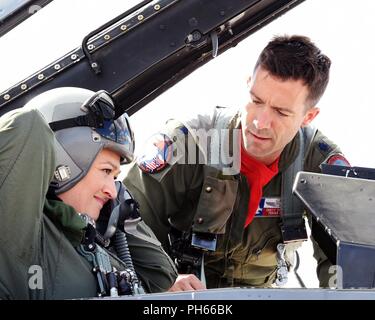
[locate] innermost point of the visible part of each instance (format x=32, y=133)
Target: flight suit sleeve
x=320, y=151
x=154, y=267
x=26, y=167
x=166, y=197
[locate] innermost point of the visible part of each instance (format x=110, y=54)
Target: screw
x=157, y=7
x=140, y=17
x=73, y=56
x=57, y=66
x=303, y=181
x=6, y=96
x=40, y=76
x=123, y=27
x=23, y=86
x=94, y=65
x=107, y=37
x=90, y=46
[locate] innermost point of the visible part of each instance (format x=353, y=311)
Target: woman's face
x=91, y=193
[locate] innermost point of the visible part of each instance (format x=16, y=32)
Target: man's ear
x=310, y=116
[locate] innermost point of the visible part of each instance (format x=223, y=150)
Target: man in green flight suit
x=231, y=218
x=53, y=188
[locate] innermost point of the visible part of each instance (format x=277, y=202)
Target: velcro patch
x=269, y=207
x=158, y=152
x=338, y=160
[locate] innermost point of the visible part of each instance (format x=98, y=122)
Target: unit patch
x=338, y=160
x=158, y=152
x=269, y=207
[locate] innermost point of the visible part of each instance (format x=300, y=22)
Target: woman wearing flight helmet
x=52, y=185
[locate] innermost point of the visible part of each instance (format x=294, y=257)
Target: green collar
x=289, y=154
x=65, y=219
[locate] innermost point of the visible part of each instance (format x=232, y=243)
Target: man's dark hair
x=297, y=58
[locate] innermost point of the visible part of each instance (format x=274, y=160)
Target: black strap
x=293, y=225
x=89, y=120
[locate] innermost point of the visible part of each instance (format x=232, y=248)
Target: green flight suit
x=201, y=197
x=37, y=234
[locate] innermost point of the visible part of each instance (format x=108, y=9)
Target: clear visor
x=119, y=131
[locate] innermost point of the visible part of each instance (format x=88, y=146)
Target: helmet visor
x=101, y=110
x=117, y=130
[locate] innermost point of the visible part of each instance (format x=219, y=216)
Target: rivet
x=57, y=66
x=140, y=17
x=94, y=64
x=303, y=181
x=6, y=96
x=23, y=86
x=40, y=76
x=123, y=27
x=107, y=37
x=208, y=189
x=90, y=46
x=200, y=220
x=73, y=56
x=157, y=6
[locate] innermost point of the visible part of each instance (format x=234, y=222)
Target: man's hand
x=185, y=282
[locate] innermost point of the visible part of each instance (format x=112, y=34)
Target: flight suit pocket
x=215, y=205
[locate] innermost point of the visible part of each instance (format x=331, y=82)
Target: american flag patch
x=157, y=154
x=269, y=207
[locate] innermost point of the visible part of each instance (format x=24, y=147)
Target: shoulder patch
x=338, y=160
x=324, y=146
x=157, y=154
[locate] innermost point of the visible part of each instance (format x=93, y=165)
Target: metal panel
x=13, y=13
x=343, y=223
x=155, y=53
x=346, y=206
x=228, y=294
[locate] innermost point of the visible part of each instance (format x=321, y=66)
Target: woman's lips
x=100, y=200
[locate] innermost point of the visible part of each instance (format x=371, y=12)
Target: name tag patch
x=269, y=207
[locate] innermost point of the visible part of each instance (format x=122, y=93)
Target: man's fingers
x=186, y=282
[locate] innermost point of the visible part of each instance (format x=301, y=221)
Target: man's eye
x=257, y=102
x=107, y=171
x=281, y=113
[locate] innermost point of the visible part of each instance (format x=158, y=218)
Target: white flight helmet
x=84, y=124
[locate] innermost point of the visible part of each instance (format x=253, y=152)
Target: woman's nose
x=110, y=189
